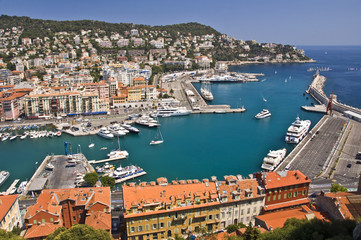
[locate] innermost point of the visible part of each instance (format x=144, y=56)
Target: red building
x=284, y=189
x=65, y=207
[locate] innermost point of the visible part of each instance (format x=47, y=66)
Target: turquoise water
x=200, y=146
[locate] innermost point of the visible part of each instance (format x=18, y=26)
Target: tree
x=251, y=233
x=91, y=178
x=79, y=232
x=335, y=187
x=4, y=235
x=107, y=181
x=231, y=228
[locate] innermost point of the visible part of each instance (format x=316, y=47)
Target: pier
x=8, y=191
x=105, y=160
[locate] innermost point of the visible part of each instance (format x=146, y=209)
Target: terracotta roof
x=15, y=95
x=5, y=204
x=239, y=188
x=287, y=204
x=283, y=178
x=278, y=219
x=348, y=207
x=41, y=230
x=52, y=94
x=99, y=220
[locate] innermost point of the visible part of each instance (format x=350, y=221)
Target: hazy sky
x=298, y=22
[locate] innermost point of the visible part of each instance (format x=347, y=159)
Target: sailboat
x=157, y=141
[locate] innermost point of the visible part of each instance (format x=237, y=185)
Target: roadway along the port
x=312, y=157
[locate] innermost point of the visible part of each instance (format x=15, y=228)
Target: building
x=271, y=221
x=10, y=105
x=161, y=210
x=284, y=189
x=100, y=88
x=65, y=207
x=10, y=216
x=241, y=200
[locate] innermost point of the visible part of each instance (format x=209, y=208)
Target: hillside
x=44, y=28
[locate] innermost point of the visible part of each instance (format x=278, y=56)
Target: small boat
x=5, y=137
x=22, y=186
x=3, y=176
x=49, y=166
x=104, y=148
x=13, y=137
x=159, y=138
x=58, y=133
x=13, y=190
x=131, y=128
x=23, y=136
x=91, y=145
x=105, y=133
x=263, y=114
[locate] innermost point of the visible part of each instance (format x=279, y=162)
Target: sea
x=199, y=146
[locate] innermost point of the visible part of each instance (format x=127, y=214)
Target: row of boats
x=30, y=134
x=117, y=130
x=21, y=127
x=120, y=173
x=295, y=133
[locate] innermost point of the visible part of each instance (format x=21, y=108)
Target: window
x=161, y=225
x=132, y=229
x=154, y=226
x=217, y=216
x=289, y=195
x=74, y=219
x=140, y=228
x=279, y=196
x=254, y=209
x=189, y=221
x=268, y=198
x=274, y=197
x=169, y=223
x=155, y=236
x=223, y=215
x=210, y=217
x=285, y=196
x=248, y=211
x=304, y=192
x=161, y=217
x=242, y=212
x=51, y=220
x=43, y=220
x=34, y=221
x=147, y=227
x=294, y=194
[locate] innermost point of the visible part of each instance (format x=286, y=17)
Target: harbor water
x=203, y=145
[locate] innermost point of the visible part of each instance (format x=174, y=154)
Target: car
x=358, y=162
x=349, y=165
x=358, y=155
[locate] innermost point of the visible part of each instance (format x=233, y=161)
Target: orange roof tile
x=230, y=190
x=287, y=204
x=283, y=178
x=99, y=220
x=5, y=204
x=278, y=219
x=41, y=230
x=346, y=207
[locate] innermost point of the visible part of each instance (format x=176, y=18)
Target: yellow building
x=134, y=94
x=9, y=212
x=161, y=210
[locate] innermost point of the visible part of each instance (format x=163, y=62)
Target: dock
x=12, y=186
x=317, y=108
x=105, y=160
x=130, y=177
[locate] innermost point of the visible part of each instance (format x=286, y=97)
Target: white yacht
x=91, y=145
x=263, y=114
x=167, y=111
x=117, y=154
x=105, y=133
x=123, y=172
x=22, y=186
x=273, y=159
x=3, y=176
x=5, y=137
x=206, y=94
x=130, y=128
x=297, y=131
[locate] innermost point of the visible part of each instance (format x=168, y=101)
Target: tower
x=329, y=105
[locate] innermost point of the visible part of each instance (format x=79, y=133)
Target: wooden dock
x=12, y=186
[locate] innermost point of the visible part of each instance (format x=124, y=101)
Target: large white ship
x=171, y=111
x=273, y=159
x=297, y=131
x=206, y=94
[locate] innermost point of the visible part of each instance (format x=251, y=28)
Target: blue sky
x=302, y=22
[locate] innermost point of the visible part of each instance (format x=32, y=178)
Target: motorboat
x=130, y=128
x=273, y=159
x=117, y=154
x=263, y=114
x=103, y=148
x=105, y=133
x=23, y=136
x=58, y=133
x=22, y=186
x=105, y=168
x=13, y=137
x=5, y=137
x=91, y=145
x=3, y=176
x=297, y=131
x=147, y=121
x=206, y=94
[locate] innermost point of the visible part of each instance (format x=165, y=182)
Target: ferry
x=263, y=114
x=273, y=159
x=171, y=112
x=127, y=172
x=3, y=176
x=297, y=131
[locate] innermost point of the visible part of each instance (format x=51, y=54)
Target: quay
x=12, y=186
x=61, y=176
x=105, y=160
x=328, y=153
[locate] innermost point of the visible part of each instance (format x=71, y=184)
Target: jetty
x=105, y=160
x=12, y=186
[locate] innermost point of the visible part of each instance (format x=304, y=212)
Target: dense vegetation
x=44, y=28
x=79, y=232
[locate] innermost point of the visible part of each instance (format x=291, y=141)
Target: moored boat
x=297, y=131
x=273, y=159
x=3, y=176
x=263, y=114
x=22, y=186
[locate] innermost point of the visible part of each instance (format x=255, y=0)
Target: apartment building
x=65, y=207
x=10, y=216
